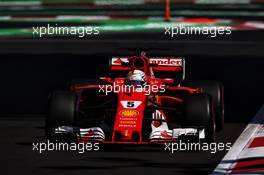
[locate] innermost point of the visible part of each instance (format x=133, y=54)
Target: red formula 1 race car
x=141, y=102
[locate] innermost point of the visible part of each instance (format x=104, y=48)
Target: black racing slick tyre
x=216, y=90
x=198, y=113
x=61, y=110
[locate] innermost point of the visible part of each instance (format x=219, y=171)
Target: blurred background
x=17, y=17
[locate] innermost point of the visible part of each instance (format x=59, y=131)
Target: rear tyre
x=216, y=90
x=198, y=113
x=61, y=112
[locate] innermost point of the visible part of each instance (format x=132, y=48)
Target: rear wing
x=165, y=63
x=163, y=67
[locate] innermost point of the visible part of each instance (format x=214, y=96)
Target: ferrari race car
x=141, y=102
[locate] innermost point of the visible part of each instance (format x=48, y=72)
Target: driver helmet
x=136, y=78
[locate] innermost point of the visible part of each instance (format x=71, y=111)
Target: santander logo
x=166, y=62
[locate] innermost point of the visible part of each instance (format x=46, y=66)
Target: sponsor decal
x=166, y=62
x=127, y=122
x=118, y=61
x=126, y=126
x=129, y=113
x=128, y=118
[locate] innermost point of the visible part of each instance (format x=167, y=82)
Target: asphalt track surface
x=17, y=157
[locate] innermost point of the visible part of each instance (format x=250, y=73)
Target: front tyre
x=61, y=110
x=216, y=90
x=198, y=113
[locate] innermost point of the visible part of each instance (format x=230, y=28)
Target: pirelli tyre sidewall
x=216, y=90
x=61, y=110
x=198, y=113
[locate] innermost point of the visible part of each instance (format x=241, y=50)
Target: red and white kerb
x=247, y=154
